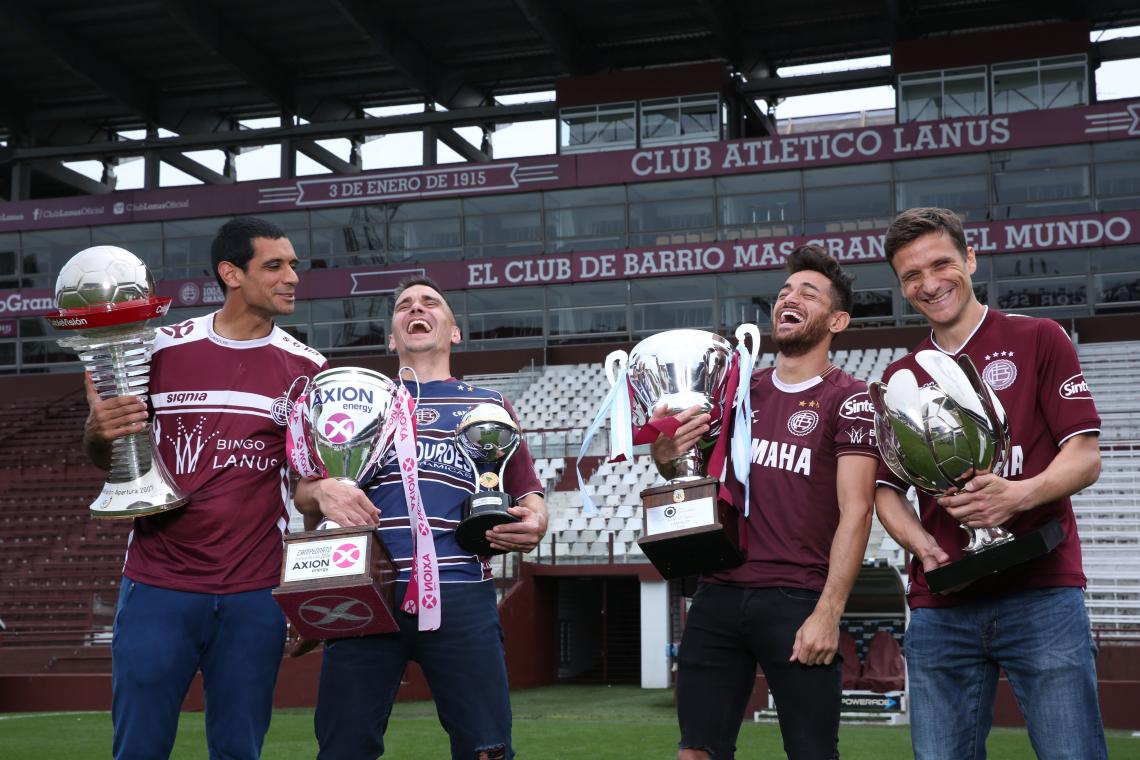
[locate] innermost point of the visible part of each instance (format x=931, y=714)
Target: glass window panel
x=587, y=196
x=873, y=306
x=964, y=93
x=1037, y=264
x=1040, y=294
x=591, y=221
x=187, y=257
x=1042, y=185
x=667, y=215
x=920, y=100
x=425, y=209
x=1039, y=158
x=44, y=352
x=1016, y=88
x=502, y=326
x=655, y=289
x=589, y=320
x=611, y=125
x=760, y=182
x=433, y=233
x=588, y=294
x=288, y=220
x=856, y=201
x=760, y=215
x=657, y=191
x=1064, y=83
x=700, y=116
x=1117, y=288
x=8, y=353
x=192, y=227
x=504, y=299
x=660, y=119
x=113, y=234
x=654, y=317
x=9, y=260
x=956, y=193
x=1117, y=150
x=846, y=175
x=496, y=204
x=1116, y=259
x=1118, y=179
x=509, y=227
x=935, y=168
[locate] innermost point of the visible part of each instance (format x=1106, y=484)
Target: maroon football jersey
x=219, y=420
x=1031, y=365
x=798, y=434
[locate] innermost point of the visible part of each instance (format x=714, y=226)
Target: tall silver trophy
x=339, y=581
x=687, y=531
x=937, y=437
x=486, y=437
x=105, y=296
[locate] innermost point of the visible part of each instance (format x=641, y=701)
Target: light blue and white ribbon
x=616, y=407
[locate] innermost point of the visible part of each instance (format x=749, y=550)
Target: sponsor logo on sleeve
x=858, y=407
x=1076, y=387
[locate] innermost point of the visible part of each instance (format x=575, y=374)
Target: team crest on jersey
x=180, y=330
x=425, y=415
x=1000, y=373
x=803, y=422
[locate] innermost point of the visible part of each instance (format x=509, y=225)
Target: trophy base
x=337, y=583
x=147, y=495
x=688, y=531
x=972, y=567
x=483, y=511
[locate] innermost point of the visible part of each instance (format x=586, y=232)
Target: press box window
x=1038, y=84
x=931, y=95
x=691, y=118
x=595, y=128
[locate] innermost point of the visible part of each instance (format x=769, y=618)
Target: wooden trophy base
x=337, y=583
x=978, y=565
x=688, y=531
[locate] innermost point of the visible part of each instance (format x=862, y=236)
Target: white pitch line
x=15, y=716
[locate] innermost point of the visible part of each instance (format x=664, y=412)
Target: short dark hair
x=234, y=242
x=813, y=258
x=913, y=223
x=418, y=279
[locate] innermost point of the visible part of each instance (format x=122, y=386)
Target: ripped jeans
x=464, y=665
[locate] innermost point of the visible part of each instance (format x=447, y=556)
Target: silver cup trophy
x=104, y=296
x=937, y=437
x=486, y=437
x=687, y=530
x=339, y=581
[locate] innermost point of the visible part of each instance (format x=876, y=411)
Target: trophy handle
x=615, y=362
x=750, y=330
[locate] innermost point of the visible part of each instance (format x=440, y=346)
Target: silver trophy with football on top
x=105, y=296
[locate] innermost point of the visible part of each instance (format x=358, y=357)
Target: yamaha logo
x=802, y=423
x=1000, y=374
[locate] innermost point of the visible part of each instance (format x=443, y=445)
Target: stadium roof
x=78, y=72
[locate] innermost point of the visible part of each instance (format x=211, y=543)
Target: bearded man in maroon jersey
x=811, y=482
x=1029, y=620
x=197, y=580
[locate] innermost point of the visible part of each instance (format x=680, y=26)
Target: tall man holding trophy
x=807, y=515
x=200, y=567
x=457, y=485
x=1011, y=598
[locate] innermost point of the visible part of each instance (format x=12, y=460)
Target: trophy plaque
x=687, y=529
x=104, y=296
x=337, y=581
x=939, y=436
x=486, y=437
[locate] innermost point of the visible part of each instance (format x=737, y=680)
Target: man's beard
x=802, y=342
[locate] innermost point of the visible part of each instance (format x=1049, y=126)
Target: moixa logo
x=1075, y=387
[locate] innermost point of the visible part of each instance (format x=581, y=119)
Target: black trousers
x=730, y=630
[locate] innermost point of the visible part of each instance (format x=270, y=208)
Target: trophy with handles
x=337, y=581
x=105, y=295
x=938, y=436
x=486, y=437
x=687, y=530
